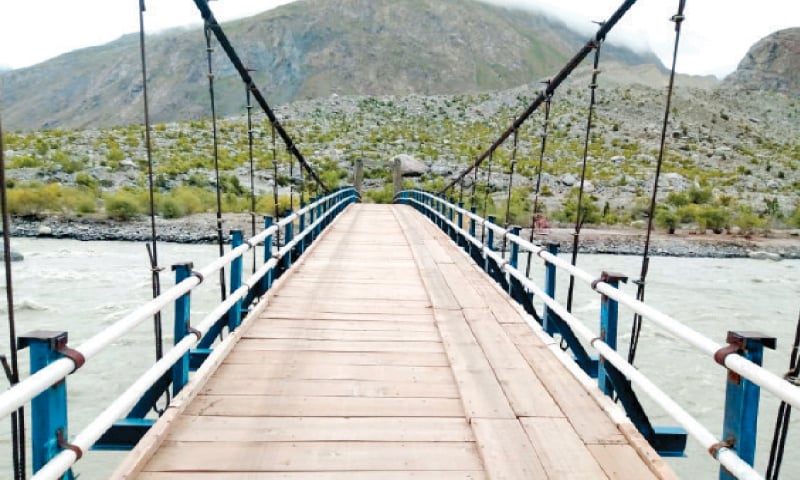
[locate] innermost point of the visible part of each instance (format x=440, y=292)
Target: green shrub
x=747, y=221
x=667, y=219
x=700, y=196
x=385, y=195
x=168, y=207
x=122, y=205
x=795, y=219
x=714, y=218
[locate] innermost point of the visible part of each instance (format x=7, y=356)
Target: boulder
x=759, y=255
x=44, y=230
x=409, y=166
x=568, y=179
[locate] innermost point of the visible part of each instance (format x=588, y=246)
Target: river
x=83, y=287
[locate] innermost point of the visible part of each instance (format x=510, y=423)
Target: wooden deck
x=386, y=354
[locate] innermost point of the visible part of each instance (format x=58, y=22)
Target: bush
x=385, y=195
x=700, y=196
x=747, y=221
x=168, y=207
x=795, y=219
x=122, y=205
x=714, y=218
x=667, y=219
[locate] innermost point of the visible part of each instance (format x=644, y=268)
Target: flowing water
x=83, y=287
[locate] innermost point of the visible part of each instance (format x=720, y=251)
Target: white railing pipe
x=23, y=392
x=59, y=464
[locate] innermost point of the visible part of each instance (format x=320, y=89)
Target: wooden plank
x=465, y=294
x=263, y=357
x=314, y=456
x=586, y=416
x=328, y=475
x=386, y=373
x=268, y=331
x=439, y=292
x=248, y=406
x=506, y=450
x=563, y=454
x=621, y=462
x=526, y=393
x=358, y=325
x=327, y=429
x=329, y=388
x=337, y=345
x=354, y=306
x=480, y=391
x=288, y=314
x=653, y=460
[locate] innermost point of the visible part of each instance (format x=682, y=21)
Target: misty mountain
x=306, y=49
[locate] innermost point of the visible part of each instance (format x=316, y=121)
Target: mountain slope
x=305, y=49
x=773, y=63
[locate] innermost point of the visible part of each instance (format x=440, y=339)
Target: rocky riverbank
x=202, y=229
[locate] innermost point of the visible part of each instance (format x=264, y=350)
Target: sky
x=715, y=35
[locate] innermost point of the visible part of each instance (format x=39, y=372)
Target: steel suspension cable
x=249, y=108
x=510, y=186
x=555, y=82
x=275, y=197
x=486, y=196
x=213, y=25
x=215, y=141
x=636, y=326
x=152, y=247
x=547, y=101
x=580, y=215
x=12, y=371
x=474, y=187
x=784, y=412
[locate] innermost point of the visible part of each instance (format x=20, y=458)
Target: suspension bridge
x=393, y=342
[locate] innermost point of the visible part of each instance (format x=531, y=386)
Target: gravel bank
x=202, y=229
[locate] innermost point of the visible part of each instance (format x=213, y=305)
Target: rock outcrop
x=773, y=63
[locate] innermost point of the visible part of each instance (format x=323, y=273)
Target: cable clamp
x=678, y=18
x=197, y=274
x=77, y=357
x=250, y=244
x=194, y=331
x=62, y=443
x=607, y=277
x=793, y=379
x=713, y=450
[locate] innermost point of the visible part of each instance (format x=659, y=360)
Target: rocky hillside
x=306, y=49
x=771, y=64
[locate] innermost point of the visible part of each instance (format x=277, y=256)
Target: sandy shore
x=202, y=229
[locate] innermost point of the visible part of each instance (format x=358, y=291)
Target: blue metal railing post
x=489, y=241
x=312, y=218
x=550, y=289
x=513, y=259
x=266, y=281
x=472, y=229
x=461, y=239
x=450, y=216
x=742, y=396
x=180, y=371
x=49, y=408
x=302, y=245
x=609, y=317
x=287, y=259
x=235, y=313
x=319, y=215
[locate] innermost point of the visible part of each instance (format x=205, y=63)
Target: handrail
x=123, y=404
x=735, y=362
x=756, y=374
x=37, y=383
